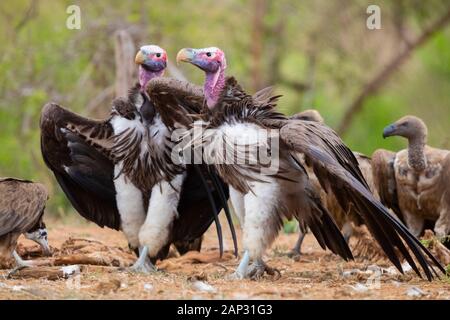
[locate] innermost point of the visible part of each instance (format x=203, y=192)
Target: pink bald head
x=213, y=62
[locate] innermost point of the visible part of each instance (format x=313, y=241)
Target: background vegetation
x=318, y=54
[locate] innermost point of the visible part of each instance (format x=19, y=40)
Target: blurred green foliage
x=323, y=46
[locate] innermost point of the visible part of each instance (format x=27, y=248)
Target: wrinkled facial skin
x=209, y=60
x=40, y=236
x=151, y=58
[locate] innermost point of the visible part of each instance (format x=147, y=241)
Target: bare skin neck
x=145, y=76
x=416, y=155
x=213, y=87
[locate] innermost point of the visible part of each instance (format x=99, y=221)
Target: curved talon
x=273, y=272
x=258, y=269
x=143, y=263
x=294, y=255
x=15, y=270
x=235, y=276
x=144, y=268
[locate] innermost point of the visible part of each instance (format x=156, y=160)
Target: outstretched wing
x=22, y=204
x=337, y=169
x=84, y=174
x=384, y=179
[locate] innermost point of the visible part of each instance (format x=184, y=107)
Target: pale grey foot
x=442, y=225
x=20, y=263
x=143, y=263
x=347, y=231
x=259, y=267
x=414, y=223
x=242, y=269
x=296, y=251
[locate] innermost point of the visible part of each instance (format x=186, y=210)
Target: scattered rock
x=351, y=272
x=148, y=287
x=396, y=283
x=240, y=296
x=70, y=270
x=374, y=268
x=414, y=292
x=393, y=270
x=359, y=287
x=17, y=288
x=203, y=286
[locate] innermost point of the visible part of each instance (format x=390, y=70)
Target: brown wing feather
x=337, y=168
x=176, y=101
x=384, y=179
x=84, y=174
x=22, y=204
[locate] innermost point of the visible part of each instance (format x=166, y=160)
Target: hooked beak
x=140, y=58
x=389, y=131
x=149, y=64
x=45, y=247
x=185, y=55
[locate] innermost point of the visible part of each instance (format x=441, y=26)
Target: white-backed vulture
x=414, y=182
x=116, y=174
x=22, y=205
x=272, y=184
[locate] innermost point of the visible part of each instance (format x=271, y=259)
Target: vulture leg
x=414, y=223
x=131, y=207
x=162, y=211
x=143, y=263
x=259, y=267
x=20, y=263
x=242, y=270
x=261, y=223
x=296, y=251
x=442, y=225
x=347, y=231
x=237, y=201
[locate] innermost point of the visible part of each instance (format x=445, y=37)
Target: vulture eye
x=208, y=54
x=158, y=55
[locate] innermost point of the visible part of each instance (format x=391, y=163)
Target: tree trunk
x=257, y=40
x=125, y=67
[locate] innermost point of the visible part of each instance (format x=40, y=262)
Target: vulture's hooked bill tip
x=389, y=131
x=140, y=58
x=185, y=55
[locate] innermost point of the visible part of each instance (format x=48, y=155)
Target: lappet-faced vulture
x=115, y=174
x=263, y=192
x=22, y=205
x=415, y=181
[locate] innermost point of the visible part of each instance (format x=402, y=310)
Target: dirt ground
x=316, y=275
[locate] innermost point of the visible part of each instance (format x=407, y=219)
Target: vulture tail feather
x=322, y=224
x=213, y=207
x=227, y=210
